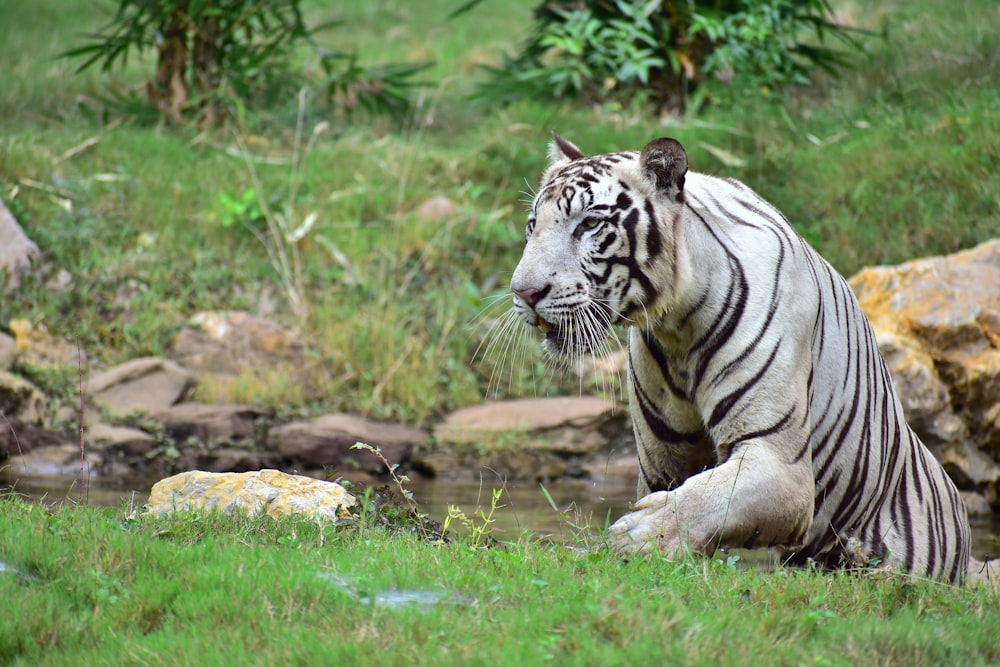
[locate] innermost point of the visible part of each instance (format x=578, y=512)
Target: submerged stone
x=61, y=460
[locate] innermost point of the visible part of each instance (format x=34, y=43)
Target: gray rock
x=327, y=441
x=35, y=346
x=976, y=504
x=8, y=350
x=17, y=437
x=233, y=342
x=120, y=439
x=570, y=425
x=208, y=422
x=437, y=208
x=21, y=399
x=146, y=384
x=228, y=459
x=16, y=249
x=515, y=465
x=614, y=470
x=53, y=461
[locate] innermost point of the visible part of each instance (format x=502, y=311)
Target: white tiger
x=763, y=411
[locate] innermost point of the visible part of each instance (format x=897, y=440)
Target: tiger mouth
x=553, y=331
x=566, y=339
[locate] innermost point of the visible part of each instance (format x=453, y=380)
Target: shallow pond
x=583, y=507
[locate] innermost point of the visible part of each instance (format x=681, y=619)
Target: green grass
x=895, y=160
x=207, y=589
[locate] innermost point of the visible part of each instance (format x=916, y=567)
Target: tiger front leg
x=751, y=500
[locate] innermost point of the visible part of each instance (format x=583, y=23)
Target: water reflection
x=130, y=491
x=580, y=506
x=557, y=510
x=527, y=509
x=398, y=599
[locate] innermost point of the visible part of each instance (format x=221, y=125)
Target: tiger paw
x=652, y=525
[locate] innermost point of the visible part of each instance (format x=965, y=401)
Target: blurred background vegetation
x=359, y=169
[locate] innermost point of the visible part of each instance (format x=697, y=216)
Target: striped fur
x=764, y=413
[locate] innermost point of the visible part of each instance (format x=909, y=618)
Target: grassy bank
x=897, y=159
x=203, y=589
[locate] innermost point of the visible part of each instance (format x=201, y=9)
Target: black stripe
x=824, y=490
x=609, y=237
x=769, y=318
x=726, y=404
x=761, y=433
x=654, y=239
x=661, y=361
x=724, y=326
x=660, y=428
x=698, y=305
x=647, y=480
x=904, y=522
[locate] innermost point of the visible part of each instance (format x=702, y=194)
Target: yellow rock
x=34, y=345
x=937, y=323
x=276, y=492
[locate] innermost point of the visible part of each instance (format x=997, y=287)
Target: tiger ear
x=664, y=161
x=561, y=150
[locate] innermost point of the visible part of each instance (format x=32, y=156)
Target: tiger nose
x=530, y=295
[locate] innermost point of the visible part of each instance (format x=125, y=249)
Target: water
x=557, y=510
x=581, y=507
x=397, y=599
x=129, y=491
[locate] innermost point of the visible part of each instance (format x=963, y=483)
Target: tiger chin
x=763, y=412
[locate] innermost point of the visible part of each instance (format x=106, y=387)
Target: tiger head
x=599, y=245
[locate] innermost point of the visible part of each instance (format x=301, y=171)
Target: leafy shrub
x=206, y=49
x=350, y=86
x=670, y=52
x=216, y=55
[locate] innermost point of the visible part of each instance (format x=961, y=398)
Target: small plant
x=282, y=231
x=759, y=45
x=581, y=530
x=481, y=531
x=400, y=481
x=240, y=210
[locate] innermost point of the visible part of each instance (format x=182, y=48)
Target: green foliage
x=481, y=531
x=892, y=161
x=351, y=86
x=214, y=57
x=279, y=229
x=244, y=209
x=86, y=586
x=208, y=51
x=247, y=32
x=376, y=506
x=759, y=44
x=668, y=51
x=622, y=49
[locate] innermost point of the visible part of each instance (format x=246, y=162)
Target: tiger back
x=763, y=412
